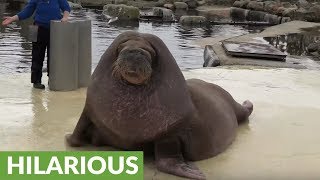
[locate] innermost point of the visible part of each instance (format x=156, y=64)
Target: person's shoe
x=38, y=86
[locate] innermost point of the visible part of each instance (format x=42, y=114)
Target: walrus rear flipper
x=243, y=111
x=169, y=159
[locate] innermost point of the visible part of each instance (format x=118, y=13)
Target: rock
x=74, y=1
x=192, y=4
x=279, y=11
x=161, y=3
x=237, y=4
x=256, y=16
x=300, y=14
x=315, y=9
x=123, y=12
x=312, y=17
x=269, y=3
x=258, y=6
x=74, y=5
x=285, y=19
x=201, y=3
x=271, y=6
x=306, y=15
x=120, y=1
x=166, y=14
x=238, y=14
x=316, y=3
x=241, y=4
x=313, y=47
x=192, y=20
x=210, y=57
x=221, y=2
x=181, y=5
x=287, y=5
x=289, y=12
x=144, y=4
x=273, y=19
x=169, y=6
x=304, y=4
x=244, y=4
x=96, y=3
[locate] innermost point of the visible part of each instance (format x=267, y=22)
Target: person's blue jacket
x=45, y=11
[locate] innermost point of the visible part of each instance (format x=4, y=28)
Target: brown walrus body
x=139, y=96
x=215, y=120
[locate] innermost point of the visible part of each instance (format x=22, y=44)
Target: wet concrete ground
x=281, y=140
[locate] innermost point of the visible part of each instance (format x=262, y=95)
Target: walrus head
x=134, y=62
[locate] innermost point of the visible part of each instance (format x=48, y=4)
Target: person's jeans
x=38, y=54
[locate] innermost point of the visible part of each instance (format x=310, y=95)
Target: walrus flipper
x=169, y=159
x=243, y=111
x=79, y=137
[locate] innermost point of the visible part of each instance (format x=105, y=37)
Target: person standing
x=44, y=11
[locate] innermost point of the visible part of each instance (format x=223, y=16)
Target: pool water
x=15, y=50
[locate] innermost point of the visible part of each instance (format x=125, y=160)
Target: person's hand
x=65, y=16
x=7, y=20
x=64, y=19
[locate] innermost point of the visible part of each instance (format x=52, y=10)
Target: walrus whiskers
x=116, y=70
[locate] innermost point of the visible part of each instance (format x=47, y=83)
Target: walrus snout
x=133, y=65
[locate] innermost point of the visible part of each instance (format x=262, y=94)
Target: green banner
x=69, y=165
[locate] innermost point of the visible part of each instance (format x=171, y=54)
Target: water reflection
x=15, y=50
x=296, y=43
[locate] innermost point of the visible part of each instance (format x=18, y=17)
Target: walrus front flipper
x=80, y=135
x=169, y=159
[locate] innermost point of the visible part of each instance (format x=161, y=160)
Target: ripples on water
x=15, y=50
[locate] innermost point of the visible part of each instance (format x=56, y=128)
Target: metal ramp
x=253, y=50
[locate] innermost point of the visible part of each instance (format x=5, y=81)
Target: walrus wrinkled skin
x=138, y=96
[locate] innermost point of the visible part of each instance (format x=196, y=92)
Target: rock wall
x=230, y=2
x=220, y=2
x=296, y=10
x=146, y=4
x=239, y=14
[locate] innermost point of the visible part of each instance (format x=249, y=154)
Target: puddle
x=296, y=43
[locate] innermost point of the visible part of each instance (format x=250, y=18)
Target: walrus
x=138, y=97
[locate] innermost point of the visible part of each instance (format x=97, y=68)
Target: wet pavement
x=281, y=140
